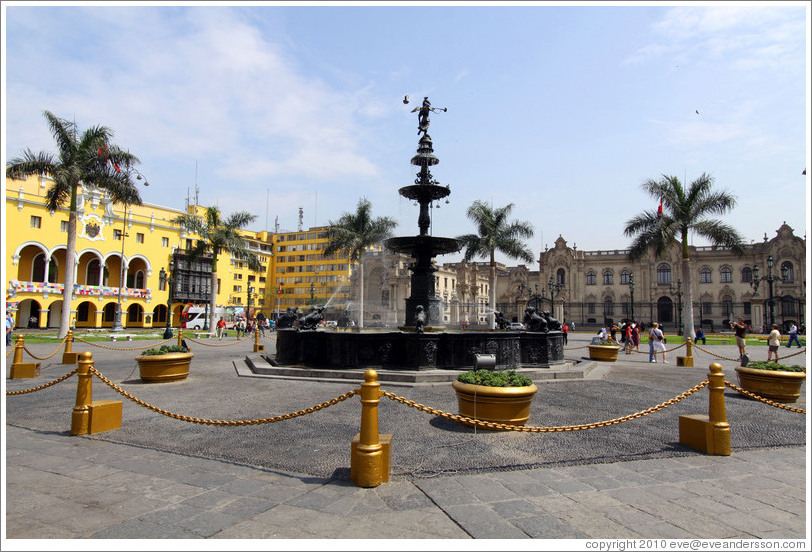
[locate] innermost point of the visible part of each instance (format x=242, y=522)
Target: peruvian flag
x=660, y=209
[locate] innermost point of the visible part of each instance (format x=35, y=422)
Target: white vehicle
x=516, y=326
x=196, y=317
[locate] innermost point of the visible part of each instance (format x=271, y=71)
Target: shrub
x=495, y=378
x=774, y=366
x=165, y=349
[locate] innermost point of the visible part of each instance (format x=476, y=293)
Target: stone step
x=261, y=366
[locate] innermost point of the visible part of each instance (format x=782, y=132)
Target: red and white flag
x=660, y=208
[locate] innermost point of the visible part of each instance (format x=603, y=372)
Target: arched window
x=92, y=275
x=38, y=270
x=727, y=306
x=663, y=274
x=725, y=275
x=747, y=274
x=705, y=275
x=560, y=276
x=787, y=269
x=625, y=277
x=608, y=307
x=607, y=277
x=787, y=306
x=590, y=278
x=139, y=279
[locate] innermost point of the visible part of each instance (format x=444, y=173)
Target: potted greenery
x=771, y=380
x=603, y=349
x=167, y=363
x=502, y=396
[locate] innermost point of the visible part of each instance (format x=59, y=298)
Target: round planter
x=605, y=353
x=505, y=405
x=776, y=385
x=163, y=368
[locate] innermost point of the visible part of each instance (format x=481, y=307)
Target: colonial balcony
x=45, y=289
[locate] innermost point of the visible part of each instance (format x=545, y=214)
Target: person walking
x=793, y=335
x=628, y=340
x=773, y=342
x=651, y=336
x=636, y=336
x=565, y=329
x=572, y=326
x=741, y=336
x=221, y=326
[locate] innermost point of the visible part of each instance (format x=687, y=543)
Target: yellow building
x=292, y=262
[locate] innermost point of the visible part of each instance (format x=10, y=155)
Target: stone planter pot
x=604, y=353
x=163, y=368
x=505, y=405
x=775, y=385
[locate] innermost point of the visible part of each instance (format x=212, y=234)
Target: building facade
x=121, y=255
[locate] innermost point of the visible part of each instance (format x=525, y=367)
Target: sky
x=562, y=110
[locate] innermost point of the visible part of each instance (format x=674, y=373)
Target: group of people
x=9, y=328
x=245, y=327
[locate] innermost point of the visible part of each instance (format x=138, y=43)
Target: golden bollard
x=257, y=345
x=688, y=359
x=20, y=369
x=711, y=433
x=91, y=416
x=180, y=337
x=370, y=451
x=68, y=356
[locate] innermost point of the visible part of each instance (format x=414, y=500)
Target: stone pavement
x=161, y=486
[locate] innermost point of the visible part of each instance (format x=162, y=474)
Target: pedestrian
x=9, y=328
x=773, y=341
x=636, y=336
x=613, y=331
x=565, y=329
x=628, y=340
x=260, y=326
x=700, y=335
x=793, y=335
x=602, y=333
x=221, y=326
x=741, y=336
x=658, y=338
x=572, y=326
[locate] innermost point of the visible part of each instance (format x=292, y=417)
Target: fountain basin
x=399, y=350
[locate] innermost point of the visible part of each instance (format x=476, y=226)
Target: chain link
x=64, y=339
x=235, y=423
x=63, y=378
x=224, y=345
x=534, y=429
x=714, y=354
x=122, y=348
x=762, y=399
x=11, y=350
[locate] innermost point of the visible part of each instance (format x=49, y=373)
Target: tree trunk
x=70, y=261
x=688, y=302
x=213, y=299
x=361, y=294
x=491, y=318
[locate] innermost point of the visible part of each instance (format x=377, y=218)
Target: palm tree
x=353, y=233
x=218, y=235
x=495, y=233
x=87, y=159
x=683, y=211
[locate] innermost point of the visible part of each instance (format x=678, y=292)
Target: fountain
x=423, y=343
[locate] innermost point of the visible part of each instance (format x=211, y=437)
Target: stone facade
x=594, y=286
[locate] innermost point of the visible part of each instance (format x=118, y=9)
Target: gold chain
x=8, y=354
x=122, y=348
x=183, y=418
x=533, y=429
x=762, y=399
x=714, y=354
x=225, y=345
x=64, y=339
x=63, y=378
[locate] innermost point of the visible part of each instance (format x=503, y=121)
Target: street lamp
x=312, y=293
x=769, y=278
x=117, y=327
x=631, y=293
x=167, y=279
x=555, y=289
x=250, y=291
x=678, y=293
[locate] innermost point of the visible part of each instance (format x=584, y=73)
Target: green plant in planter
x=495, y=378
x=165, y=349
x=774, y=366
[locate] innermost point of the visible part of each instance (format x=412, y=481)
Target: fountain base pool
x=399, y=350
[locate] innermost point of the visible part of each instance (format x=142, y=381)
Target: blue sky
x=562, y=110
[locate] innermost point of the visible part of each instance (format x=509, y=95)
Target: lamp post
x=312, y=293
x=769, y=278
x=167, y=279
x=679, y=303
x=555, y=289
x=117, y=327
x=631, y=293
x=248, y=310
